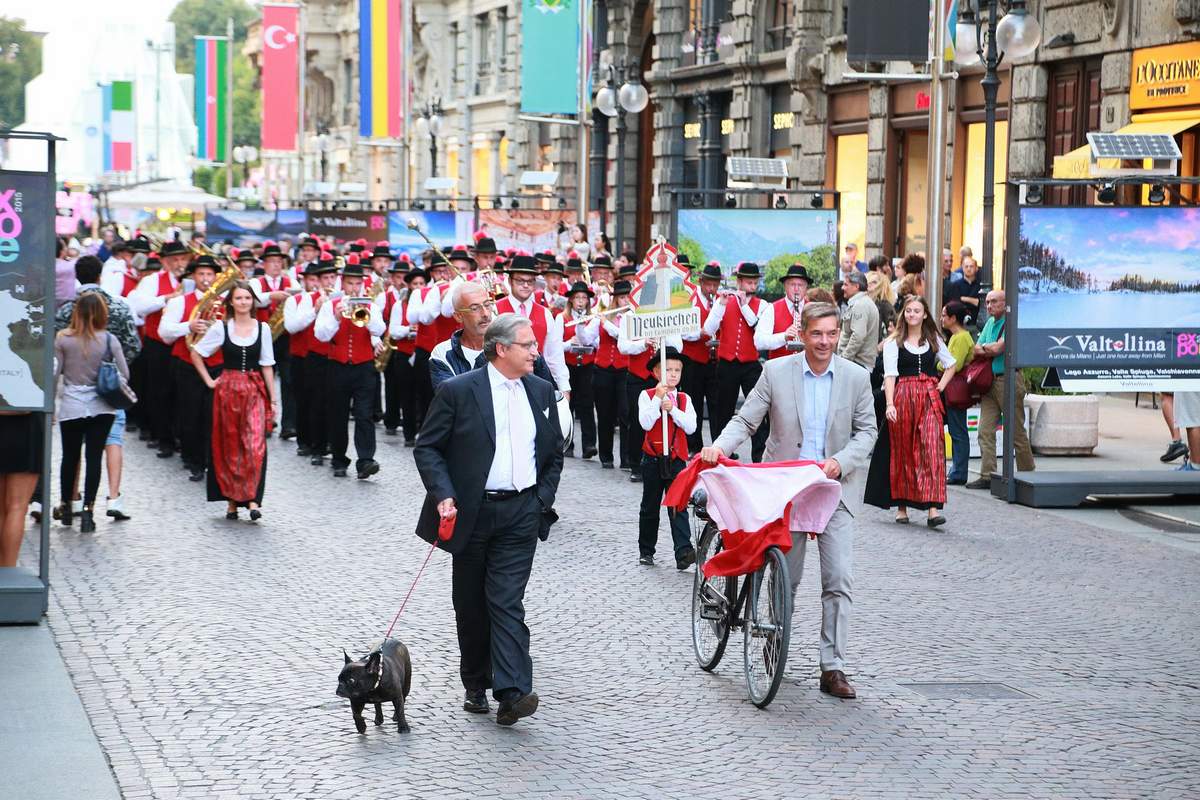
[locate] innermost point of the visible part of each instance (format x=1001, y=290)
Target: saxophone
x=210, y=307
x=385, y=355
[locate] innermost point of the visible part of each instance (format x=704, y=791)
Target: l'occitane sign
x=1165, y=77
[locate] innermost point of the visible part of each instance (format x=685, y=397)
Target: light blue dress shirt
x=817, y=390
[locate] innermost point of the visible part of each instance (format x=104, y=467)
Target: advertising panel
x=772, y=238
x=346, y=226
x=439, y=226
x=1109, y=287
x=26, y=290
x=530, y=229
x=254, y=225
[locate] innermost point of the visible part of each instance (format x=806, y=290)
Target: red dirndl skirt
x=241, y=410
x=918, y=464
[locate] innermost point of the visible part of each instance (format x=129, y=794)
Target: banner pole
x=581, y=181
x=229, y=108
x=300, y=139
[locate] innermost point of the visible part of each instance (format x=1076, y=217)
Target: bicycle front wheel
x=767, y=629
x=712, y=604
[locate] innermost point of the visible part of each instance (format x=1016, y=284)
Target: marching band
x=357, y=335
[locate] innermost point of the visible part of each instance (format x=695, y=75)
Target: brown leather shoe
x=834, y=682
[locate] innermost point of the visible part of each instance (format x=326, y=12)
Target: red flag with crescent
x=280, y=75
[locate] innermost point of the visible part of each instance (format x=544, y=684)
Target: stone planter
x=1067, y=425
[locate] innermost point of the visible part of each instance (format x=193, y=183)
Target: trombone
x=416, y=226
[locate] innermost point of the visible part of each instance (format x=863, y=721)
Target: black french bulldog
x=382, y=676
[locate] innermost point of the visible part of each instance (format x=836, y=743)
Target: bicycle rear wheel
x=767, y=629
x=712, y=604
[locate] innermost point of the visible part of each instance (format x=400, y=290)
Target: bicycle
x=761, y=607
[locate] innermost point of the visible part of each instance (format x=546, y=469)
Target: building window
x=915, y=217
x=347, y=91
x=1072, y=109
x=501, y=39
x=455, y=50
x=483, y=44
x=783, y=119
x=850, y=180
x=779, y=31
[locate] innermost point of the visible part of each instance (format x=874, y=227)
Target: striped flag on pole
x=118, y=128
x=382, y=73
x=212, y=98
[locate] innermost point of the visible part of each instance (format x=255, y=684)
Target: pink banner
x=280, y=76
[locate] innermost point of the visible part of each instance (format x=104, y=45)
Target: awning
x=163, y=194
x=1077, y=163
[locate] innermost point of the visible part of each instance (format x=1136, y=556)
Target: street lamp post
x=430, y=124
x=631, y=98
x=1016, y=34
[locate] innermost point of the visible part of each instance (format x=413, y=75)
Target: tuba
x=210, y=307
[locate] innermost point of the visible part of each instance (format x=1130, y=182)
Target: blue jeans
x=956, y=419
x=116, y=434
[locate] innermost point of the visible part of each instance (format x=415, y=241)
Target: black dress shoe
x=231, y=514
x=287, y=433
x=303, y=451
x=339, y=472
x=957, y=482
x=410, y=442
x=685, y=559
x=367, y=469
x=317, y=460
x=606, y=465
x=255, y=515
x=646, y=561
x=934, y=522
x=980, y=483
x=166, y=453
x=475, y=701
x=391, y=432
x=635, y=477
x=87, y=523
x=589, y=453
x=196, y=475
x=524, y=706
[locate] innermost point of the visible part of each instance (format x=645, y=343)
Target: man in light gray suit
x=821, y=409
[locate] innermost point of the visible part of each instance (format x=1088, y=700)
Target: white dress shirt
x=514, y=465
x=172, y=325
x=144, y=300
x=650, y=414
x=328, y=323
x=713, y=323
x=261, y=298
x=765, y=337
x=298, y=312
x=215, y=337
x=586, y=335
x=633, y=347
x=552, y=351
x=704, y=305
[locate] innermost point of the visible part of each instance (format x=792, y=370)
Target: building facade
x=757, y=78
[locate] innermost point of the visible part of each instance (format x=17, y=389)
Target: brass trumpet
x=210, y=306
x=357, y=309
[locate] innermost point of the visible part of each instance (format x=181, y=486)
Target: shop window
x=481, y=174
x=783, y=119
x=915, y=219
x=850, y=180
x=972, y=216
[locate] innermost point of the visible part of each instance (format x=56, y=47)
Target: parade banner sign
x=531, y=229
x=119, y=126
x=254, y=225
x=280, y=76
x=1108, y=287
x=382, y=72
x=663, y=297
x=551, y=38
x=212, y=98
x=346, y=226
x=26, y=291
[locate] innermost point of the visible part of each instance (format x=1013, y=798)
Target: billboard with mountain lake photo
x=773, y=238
x=1109, y=286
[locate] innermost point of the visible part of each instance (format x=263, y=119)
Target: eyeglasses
x=522, y=281
x=530, y=345
x=476, y=308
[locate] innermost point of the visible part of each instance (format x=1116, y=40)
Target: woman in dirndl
x=911, y=357
x=243, y=402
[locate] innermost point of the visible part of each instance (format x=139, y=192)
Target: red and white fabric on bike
x=756, y=506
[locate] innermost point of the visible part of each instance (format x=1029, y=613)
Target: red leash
x=428, y=555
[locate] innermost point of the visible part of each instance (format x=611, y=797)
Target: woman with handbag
x=955, y=317
x=243, y=402
x=911, y=357
x=81, y=350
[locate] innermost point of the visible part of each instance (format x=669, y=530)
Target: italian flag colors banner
x=119, y=126
x=212, y=98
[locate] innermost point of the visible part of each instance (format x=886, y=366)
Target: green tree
x=818, y=262
x=207, y=18
x=247, y=104
x=20, y=62
x=694, y=251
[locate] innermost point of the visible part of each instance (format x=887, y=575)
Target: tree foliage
x=1053, y=267
x=207, y=18
x=20, y=62
x=694, y=251
x=819, y=262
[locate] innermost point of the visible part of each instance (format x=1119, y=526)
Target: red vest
x=575, y=359
x=264, y=314
x=150, y=324
x=315, y=346
x=607, y=354
x=698, y=351
x=180, y=349
x=298, y=343
x=783, y=321
x=639, y=364
x=539, y=318
x=653, y=441
x=427, y=335
x=351, y=344
x=737, y=338
x=131, y=282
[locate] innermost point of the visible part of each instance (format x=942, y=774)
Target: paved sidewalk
x=206, y=653
x=48, y=750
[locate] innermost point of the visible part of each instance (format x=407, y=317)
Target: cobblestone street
x=206, y=654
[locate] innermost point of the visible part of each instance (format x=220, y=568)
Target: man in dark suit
x=490, y=456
